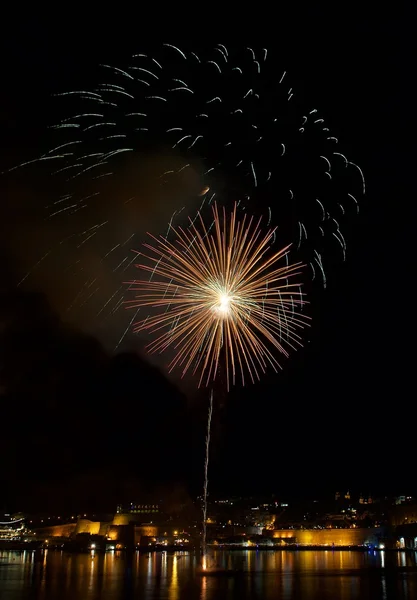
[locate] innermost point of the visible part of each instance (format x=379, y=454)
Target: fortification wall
x=149, y=531
x=87, y=526
x=64, y=531
x=322, y=537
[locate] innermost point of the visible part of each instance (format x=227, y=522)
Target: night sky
x=76, y=415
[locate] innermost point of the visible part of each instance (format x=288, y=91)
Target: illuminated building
x=363, y=499
x=142, y=509
x=404, y=499
x=11, y=527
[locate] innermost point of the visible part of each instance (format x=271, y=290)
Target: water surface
x=287, y=575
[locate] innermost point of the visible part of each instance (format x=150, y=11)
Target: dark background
x=76, y=418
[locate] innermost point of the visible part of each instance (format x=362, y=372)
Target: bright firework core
x=224, y=304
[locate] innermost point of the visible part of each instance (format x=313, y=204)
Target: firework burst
x=220, y=114
x=224, y=298
x=185, y=129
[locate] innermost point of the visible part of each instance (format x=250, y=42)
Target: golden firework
x=222, y=295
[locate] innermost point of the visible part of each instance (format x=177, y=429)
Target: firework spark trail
x=87, y=284
x=318, y=260
x=34, y=267
x=108, y=301
x=223, y=295
x=122, y=337
x=205, y=493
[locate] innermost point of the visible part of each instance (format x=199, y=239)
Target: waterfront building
x=12, y=527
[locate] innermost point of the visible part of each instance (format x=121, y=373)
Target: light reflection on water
x=288, y=575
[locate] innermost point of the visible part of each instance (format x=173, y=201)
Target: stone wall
x=322, y=537
x=146, y=531
x=87, y=526
x=61, y=531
